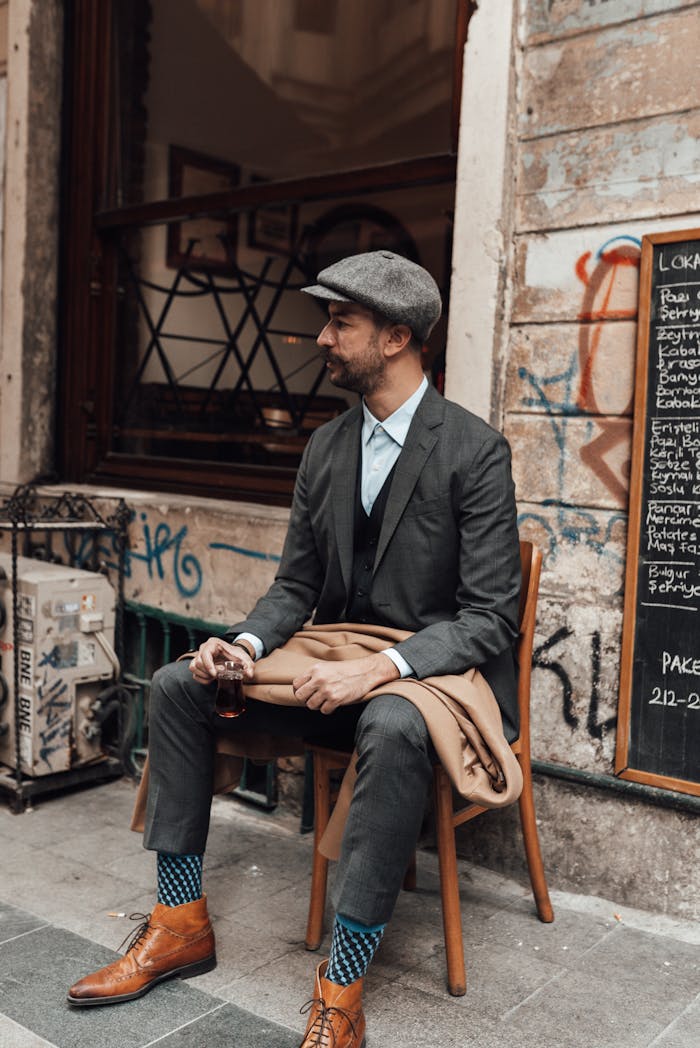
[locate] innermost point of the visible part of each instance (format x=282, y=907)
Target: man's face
x=351, y=346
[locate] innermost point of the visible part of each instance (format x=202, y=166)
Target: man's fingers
x=317, y=701
x=206, y=655
x=314, y=699
x=216, y=650
x=204, y=668
x=248, y=667
x=321, y=698
x=198, y=672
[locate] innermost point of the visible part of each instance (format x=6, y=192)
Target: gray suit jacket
x=447, y=564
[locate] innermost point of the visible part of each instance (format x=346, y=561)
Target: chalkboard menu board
x=659, y=716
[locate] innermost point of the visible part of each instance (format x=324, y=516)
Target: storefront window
x=340, y=115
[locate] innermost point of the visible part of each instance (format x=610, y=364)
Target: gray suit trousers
x=395, y=758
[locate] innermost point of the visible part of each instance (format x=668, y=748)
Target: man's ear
x=398, y=337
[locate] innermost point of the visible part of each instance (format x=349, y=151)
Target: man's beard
x=361, y=375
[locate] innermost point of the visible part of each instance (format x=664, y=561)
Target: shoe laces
x=133, y=938
x=322, y=1027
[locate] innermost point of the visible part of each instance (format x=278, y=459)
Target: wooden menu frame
x=630, y=702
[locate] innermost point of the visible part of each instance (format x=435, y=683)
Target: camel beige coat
x=460, y=710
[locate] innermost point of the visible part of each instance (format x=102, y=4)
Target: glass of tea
x=230, y=700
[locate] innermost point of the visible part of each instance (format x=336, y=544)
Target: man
x=403, y=516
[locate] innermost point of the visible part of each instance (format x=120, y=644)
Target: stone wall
x=30, y=237
x=606, y=149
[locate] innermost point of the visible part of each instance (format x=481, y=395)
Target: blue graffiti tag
x=258, y=554
x=157, y=545
x=187, y=571
x=51, y=658
x=56, y=710
x=160, y=545
x=573, y=525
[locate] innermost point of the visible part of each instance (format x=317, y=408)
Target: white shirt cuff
x=404, y=668
x=258, y=645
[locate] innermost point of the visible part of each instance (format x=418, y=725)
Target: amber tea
x=230, y=700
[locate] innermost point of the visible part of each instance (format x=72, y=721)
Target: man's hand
x=328, y=685
x=212, y=653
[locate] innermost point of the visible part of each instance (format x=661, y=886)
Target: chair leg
x=532, y=847
x=409, y=880
x=319, y=872
x=449, y=885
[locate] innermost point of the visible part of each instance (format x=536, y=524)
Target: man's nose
x=325, y=337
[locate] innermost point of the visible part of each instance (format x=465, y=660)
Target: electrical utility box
x=62, y=665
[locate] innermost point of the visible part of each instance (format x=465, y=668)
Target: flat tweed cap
x=401, y=290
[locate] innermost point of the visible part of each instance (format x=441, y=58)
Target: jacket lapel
x=346, y=452
x=421, y=439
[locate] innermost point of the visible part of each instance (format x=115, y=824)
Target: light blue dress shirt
x=382, y=443
x=381, y=446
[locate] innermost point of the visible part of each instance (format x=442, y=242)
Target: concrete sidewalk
x=601, y=976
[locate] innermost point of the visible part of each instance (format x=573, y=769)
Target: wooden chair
x=326, y=761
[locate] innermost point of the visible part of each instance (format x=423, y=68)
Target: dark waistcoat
x=366, y=537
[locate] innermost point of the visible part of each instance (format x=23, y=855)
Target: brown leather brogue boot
x=336, y=1019
x=173, y=940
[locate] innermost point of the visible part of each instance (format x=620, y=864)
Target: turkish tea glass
x=230, y=700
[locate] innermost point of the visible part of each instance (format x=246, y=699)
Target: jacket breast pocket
x=439, y=505
x=428, y=535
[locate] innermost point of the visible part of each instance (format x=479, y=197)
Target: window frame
x=91, y=223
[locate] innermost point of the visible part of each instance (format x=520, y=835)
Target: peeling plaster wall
x=40, y=282
x=596, y=168
x=606, y=147
x=3, y=132
x=482, y=201
x=30, y=242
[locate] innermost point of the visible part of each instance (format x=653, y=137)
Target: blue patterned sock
x=179, y=878
x=352, y=948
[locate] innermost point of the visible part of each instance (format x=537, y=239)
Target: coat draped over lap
x=460, y=710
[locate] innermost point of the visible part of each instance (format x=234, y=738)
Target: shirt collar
x=397, y=424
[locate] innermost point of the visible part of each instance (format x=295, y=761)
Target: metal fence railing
x=154, y=637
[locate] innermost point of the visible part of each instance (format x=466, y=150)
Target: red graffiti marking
x=598, y=306
x=607, y=456
x=626, y=255
x=599, y=284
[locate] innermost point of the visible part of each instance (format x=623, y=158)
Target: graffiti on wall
x=54, y=710
x=582, y=388
x=164, y=554
x=546, y=657
x=614, y=260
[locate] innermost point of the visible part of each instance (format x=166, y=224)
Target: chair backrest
x=530, y=567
